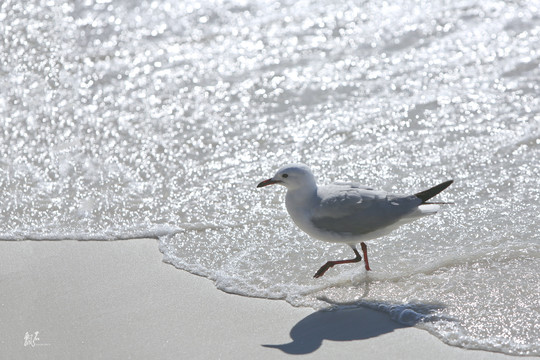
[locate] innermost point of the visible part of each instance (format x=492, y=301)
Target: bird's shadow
x=354, y=322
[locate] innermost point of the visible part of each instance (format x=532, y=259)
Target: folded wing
x=357, y=210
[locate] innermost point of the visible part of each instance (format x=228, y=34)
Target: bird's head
x=292, y=176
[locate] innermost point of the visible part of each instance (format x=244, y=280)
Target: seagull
x=347, y=212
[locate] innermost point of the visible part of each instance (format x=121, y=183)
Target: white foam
x=154, y=232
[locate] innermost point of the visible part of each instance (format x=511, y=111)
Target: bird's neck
x=299, y=202
x=300, y=197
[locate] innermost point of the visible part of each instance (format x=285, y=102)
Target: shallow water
x=132, y=119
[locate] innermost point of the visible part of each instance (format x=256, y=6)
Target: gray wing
x=358, y=210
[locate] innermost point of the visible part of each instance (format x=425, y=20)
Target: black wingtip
x=429, y=193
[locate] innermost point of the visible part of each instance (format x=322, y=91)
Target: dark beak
x=268, y=182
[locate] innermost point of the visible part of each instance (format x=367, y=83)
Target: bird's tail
x=429, y=193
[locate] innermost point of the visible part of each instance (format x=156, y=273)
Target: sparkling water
x=127, y=118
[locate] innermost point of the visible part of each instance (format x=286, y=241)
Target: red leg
x=364, y=250
x=329, y=264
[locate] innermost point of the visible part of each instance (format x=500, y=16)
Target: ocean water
x=124, y=119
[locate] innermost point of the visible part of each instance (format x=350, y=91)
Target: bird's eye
x=285, y=176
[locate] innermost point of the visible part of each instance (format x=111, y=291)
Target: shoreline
x=118, y=299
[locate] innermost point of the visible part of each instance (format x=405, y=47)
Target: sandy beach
x=104, y=300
